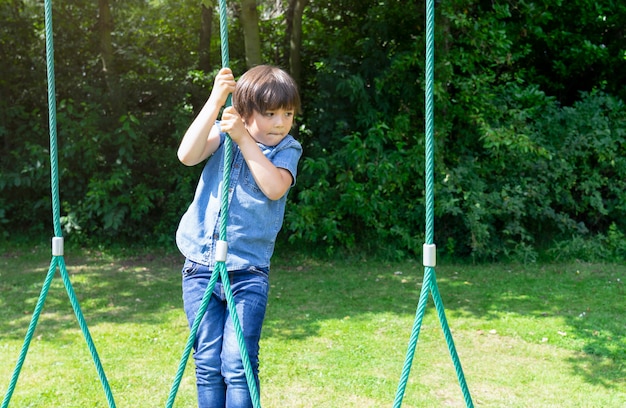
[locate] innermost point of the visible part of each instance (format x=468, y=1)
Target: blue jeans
x=220, y=375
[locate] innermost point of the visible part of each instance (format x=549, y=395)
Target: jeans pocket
x=190, y=268
x=262, y=272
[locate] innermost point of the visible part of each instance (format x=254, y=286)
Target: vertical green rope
x=430, y=280
x=52, y=121
x=430, y=127
x=220, y=268
x=57, y=260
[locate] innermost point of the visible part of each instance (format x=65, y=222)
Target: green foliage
x=566, y=181
x=529, y=123
x=577, y=53
x=119, y=176
x=112, y=186
x=488, y=117
x=358, y=192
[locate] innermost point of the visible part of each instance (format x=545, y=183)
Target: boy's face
x=270, y=127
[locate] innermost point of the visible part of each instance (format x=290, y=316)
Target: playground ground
x=336, y=333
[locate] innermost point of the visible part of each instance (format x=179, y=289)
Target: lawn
x=336, y=333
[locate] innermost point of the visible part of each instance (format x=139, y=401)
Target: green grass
x=335, y=335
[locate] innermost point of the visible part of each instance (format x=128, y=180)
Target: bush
x=115, y=185
x=545, y=173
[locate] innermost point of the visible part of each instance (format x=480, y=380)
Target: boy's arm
x=202, y=138
x=273, y=181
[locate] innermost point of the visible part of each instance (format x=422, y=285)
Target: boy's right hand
x=223, y=86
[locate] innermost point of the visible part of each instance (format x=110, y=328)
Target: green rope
x=430, y=280
x=29, y=334
x=220, y=268
x=57, y=260
x=450, y=342
x=190, y=340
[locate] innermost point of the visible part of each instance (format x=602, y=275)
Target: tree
x=206, y=27
x=105, y=28
x=529, y=124
x=251, y=37
x=294, y=36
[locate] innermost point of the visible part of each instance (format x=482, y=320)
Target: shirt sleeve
x=287, y=156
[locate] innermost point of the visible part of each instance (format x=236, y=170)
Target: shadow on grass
x=589, y=299
x=304, y=293
x=137, y=289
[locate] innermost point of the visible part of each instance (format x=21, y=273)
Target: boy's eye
x=269, y=114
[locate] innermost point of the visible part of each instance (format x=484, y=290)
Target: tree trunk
x=204, y=46
x=294, y=33
x=252, y=39
x=105, y=28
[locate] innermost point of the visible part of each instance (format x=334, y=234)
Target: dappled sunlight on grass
x=335, y=333
x=106, y=290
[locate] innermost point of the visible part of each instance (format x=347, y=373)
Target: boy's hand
x=232, y=123
x=223, y=86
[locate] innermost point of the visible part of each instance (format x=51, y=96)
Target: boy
x=264, y=167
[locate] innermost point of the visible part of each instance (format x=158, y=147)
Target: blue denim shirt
x=253, y=219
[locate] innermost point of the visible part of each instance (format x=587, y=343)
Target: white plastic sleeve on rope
x=57, y=246
x=430, y=255
x=221, y=249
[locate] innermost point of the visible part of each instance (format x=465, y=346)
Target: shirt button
x=216, y=236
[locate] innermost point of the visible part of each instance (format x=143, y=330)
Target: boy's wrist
x=216, y=101
x=243, y=139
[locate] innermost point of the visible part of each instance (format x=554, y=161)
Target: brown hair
x=264, y=88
